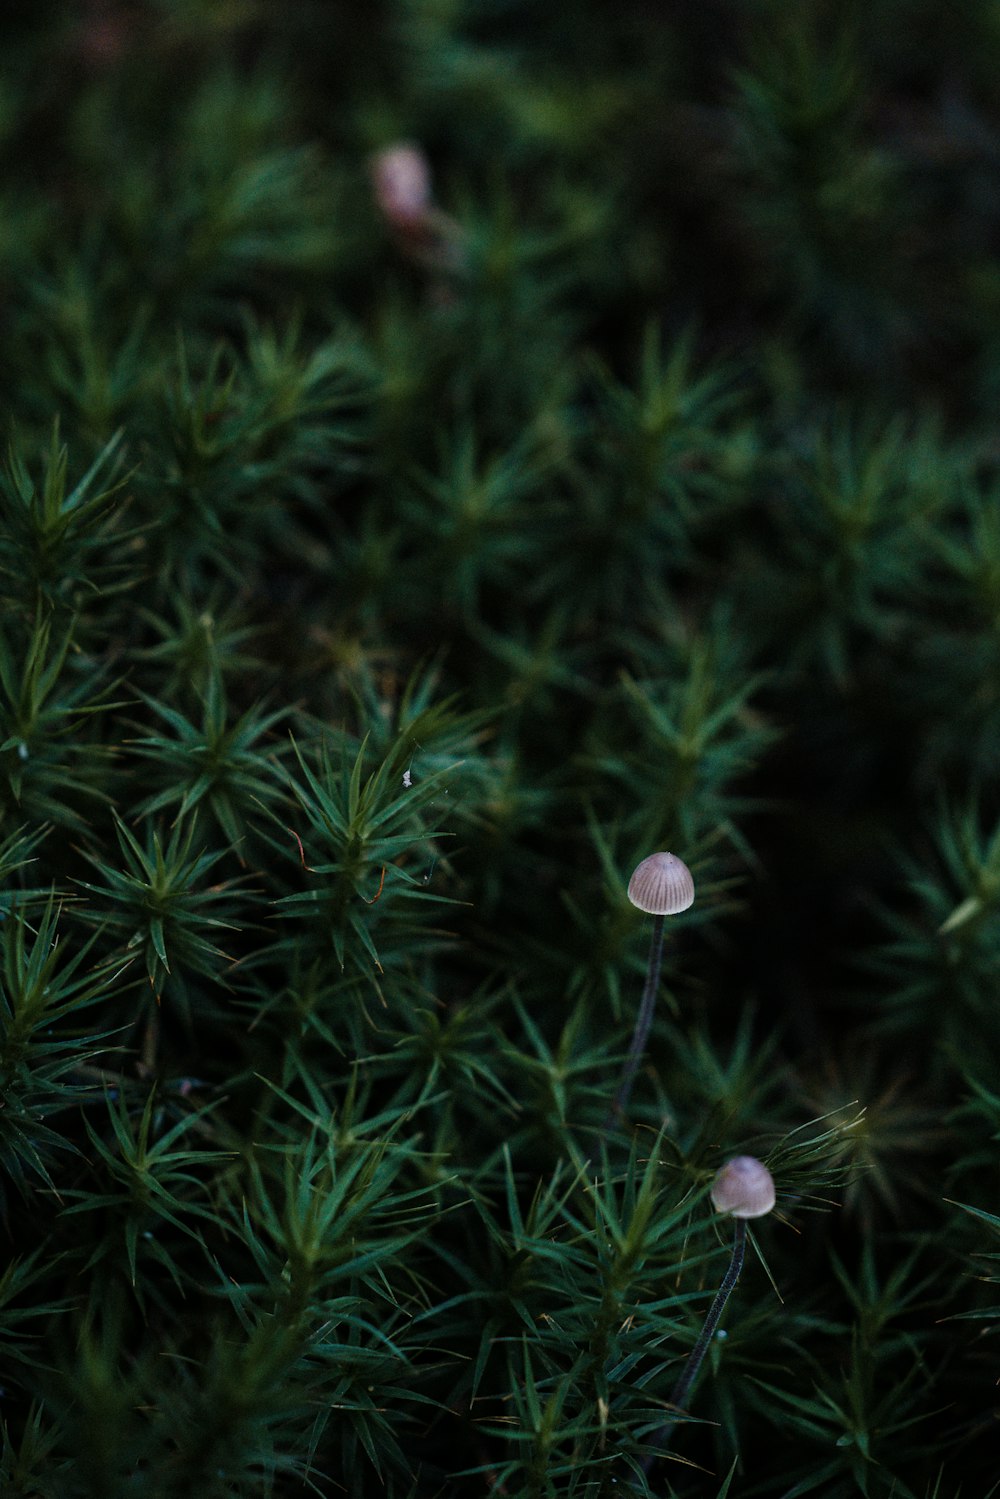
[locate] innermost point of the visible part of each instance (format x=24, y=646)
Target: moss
x=375, y=594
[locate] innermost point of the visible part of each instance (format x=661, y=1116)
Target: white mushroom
x=661, y=885
x=743, y=1188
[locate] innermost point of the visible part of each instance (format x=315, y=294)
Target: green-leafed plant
x=455, y=451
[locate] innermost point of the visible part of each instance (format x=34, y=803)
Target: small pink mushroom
x=743, y=1188
x=402, y=181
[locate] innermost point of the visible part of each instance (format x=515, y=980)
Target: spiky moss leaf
x=48, y=1057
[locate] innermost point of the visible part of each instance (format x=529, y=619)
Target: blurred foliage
x=375, y=592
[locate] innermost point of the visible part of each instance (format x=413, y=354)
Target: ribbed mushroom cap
x=743, y=1188
x=661, y=885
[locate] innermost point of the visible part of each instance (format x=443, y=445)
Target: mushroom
x=404, y=195
x=662, y=886
x=401, y=178
x=743, y=1188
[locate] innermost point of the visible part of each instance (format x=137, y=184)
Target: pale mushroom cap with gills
x=661, y=885
x=743, y=1188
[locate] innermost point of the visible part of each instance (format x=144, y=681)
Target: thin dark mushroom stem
x=644, y=1019
x=682, y=1389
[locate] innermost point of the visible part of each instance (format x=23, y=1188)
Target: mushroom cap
x=402, y=181
x=743, y=1188
x=661, y=885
